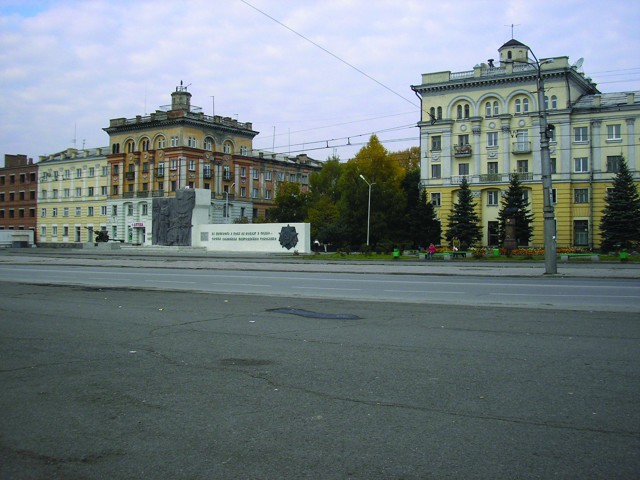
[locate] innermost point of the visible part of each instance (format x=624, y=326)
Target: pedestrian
x=430, y=251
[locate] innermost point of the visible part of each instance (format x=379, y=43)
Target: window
x=492, y=139
x=192, y=142
x=162, y=142
x=226, y=173
x=432, y=113
x=436, y=171
x=581, y=195
x=436, y=143
x=487, y=109
x=439, y=113
x=103, y=190
x=292, y=177
x=492, y=168
x=463, y=140
x=459, y=110
x=145, y=167
x=518, y=106
x=145, y=209
x=256, y=174
x=103, y=209
x=435, y=199
x=613, y=163
x=114, y=210
x=90, y=211
x=115, y=190
x=78, y=173
x=254, y=193
x=581, y=165
x=267, y=194
x=243, y=172
x=580, y=134
x=78, y=211
x=54, y=194
x=192, y=165
x=55, y=175
x=67, y=174
x=65, y=231
x=105, y=171
x=174, y=164
x=525, y=105
x=144, y=145
x=244, y=151
x=613, y=132
x=54, y=230
x=493, y=198
x=208, y=144
x=226, y=147
x=173, y=186
x=554, y=196
x=130, y=210
x=466, y=111
x=552, y=160
x=174, y=141
x=43, y=213
x=554, y=102
x=78, y=192
x=65, y=212
x=523, y=166
x=43, y=231
x=67, y=193
x=463, y=169
x=116, y=169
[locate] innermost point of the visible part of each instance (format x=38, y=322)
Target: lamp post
x=369, y=208
x=550, y=260
x=226, y=210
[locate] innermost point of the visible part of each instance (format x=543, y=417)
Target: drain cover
x=306, y=313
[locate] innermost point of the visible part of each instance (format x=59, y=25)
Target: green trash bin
x=496, y=252
x=396, y=253
x=624, y=256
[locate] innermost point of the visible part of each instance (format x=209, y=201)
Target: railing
x=142, y=194
x=458, y=75
x=459, y=178
x=128, y=195
x=130, y=175
x=462, y=150
x=521, y=147
x=159, y=173
x=206, y=174
x=491, y=177
x=522, y=176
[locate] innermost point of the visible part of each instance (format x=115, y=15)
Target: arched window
x=496, y=108
x=466, y=111
x=518, y=106
x=439, y=113
x=554, y=102
x=433, y=112
x=144, y=145
x=546, y=102
x=459, y=112
x=227, y=147
x=130, y=147
x=525, y=105
x=115, y=148
x=208, y=144
x=487, y=109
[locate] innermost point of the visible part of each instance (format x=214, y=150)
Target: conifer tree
x=424, y=225
x=514, y=205
x=620, y=225
x=463, y=221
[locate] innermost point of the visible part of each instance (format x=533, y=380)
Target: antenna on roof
x=578, y=64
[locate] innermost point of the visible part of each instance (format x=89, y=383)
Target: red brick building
x=18, y=193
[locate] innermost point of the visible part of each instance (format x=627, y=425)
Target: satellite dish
x=578, y=64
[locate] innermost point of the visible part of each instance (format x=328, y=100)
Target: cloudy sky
x=308, y=73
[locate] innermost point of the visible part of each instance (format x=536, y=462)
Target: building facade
x=73, y=188
x=179, y=147
x=484, y=125
x=18, y=193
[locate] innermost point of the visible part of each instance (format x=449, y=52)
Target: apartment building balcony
x=128, y=194
x=130, y=175
x=491, y=177
x=457, y=179
x=521, y=147
x=522, y=176
x=462, y=151
x=142, y=194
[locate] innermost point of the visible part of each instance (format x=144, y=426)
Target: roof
x=513, y=43
x=607, y=100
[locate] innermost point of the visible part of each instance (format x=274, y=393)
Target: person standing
x=430, y=251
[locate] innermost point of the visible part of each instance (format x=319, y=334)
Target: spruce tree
x=620, y=225
x=463, y=220
x=424, y=226
x=514, y=205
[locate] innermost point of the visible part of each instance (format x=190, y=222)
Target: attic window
x=509, y=55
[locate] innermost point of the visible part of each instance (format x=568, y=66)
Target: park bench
x=565, y=257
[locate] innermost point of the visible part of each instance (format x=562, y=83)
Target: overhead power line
x=330, y=53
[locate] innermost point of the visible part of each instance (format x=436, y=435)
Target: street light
x=226, y=210
x=369, y=209
x=550, y=260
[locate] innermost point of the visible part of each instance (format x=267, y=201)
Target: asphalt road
x=604, y=294
x=121, y=383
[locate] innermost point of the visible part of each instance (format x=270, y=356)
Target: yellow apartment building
x=484, y=125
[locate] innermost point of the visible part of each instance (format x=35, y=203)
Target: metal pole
x=369, y=208
x=550, y=260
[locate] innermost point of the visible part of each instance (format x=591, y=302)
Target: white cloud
x=73, y=65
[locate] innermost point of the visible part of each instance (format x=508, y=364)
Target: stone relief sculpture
x=172, y=218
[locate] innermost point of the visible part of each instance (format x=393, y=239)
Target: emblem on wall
x=288, y=237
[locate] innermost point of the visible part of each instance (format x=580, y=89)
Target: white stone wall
x=255, y=237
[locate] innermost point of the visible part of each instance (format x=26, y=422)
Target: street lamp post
x=226, y=210
x=369, y=208
x=550, y=260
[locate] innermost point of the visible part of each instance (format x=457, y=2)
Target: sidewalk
x=167, y=258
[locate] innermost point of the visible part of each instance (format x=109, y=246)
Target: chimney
x=630, y=98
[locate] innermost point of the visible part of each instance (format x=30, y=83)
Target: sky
x=312, y=76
